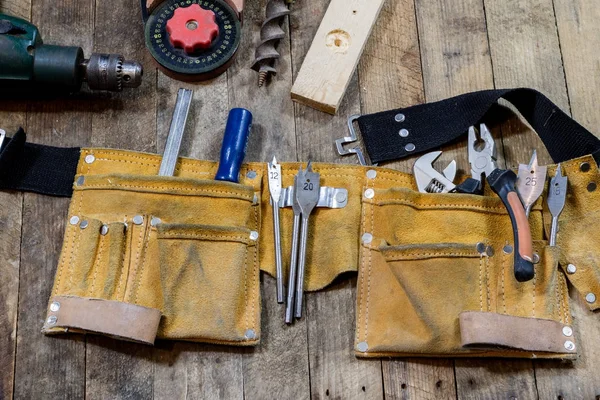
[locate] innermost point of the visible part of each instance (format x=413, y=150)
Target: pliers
x=482, y=157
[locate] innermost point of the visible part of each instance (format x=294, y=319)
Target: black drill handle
x=503, y=182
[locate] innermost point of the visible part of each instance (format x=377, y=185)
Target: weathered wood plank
x=334, y=371
x=525, y=52
x=278, y=367
x=116, y=369
x=16, y=8
x=50, y=367
x=579, y=35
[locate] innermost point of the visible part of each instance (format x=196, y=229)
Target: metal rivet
x=507, y=249
x=590, y=298
x=90, y=158
x=250, y=334
x=536, y=258
x=52, y=320
x=409, y=147
x=104, y=230
x=55, y=306
x=138, y=220
x=571, y=269
x=489, y=251
x=584, y=166
x=480, y=248
x=371, y=174
x=74, y=220
x=155, y=221
x=251, y=174
x=362, y=347
x=403, y=132
x=367, y=238
x=253, y=235
x=591, y=186
x=569, y=345
x=567, y=331
x=399, y=117
x=340, y=197
x=80, y=180
x=369, y=193
x=255, y=199
x=83, y=224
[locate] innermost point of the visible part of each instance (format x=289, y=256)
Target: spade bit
x=306, y=197
x=530, y=182
x=557, y=193
x=274, y=170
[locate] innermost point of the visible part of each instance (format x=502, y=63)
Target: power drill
x=28, y=66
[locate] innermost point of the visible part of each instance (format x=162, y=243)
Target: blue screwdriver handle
x=234, y=146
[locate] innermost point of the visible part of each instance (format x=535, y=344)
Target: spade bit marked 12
x=557, y=194
x=530, y=182
x=306, y=197
x=274, y=171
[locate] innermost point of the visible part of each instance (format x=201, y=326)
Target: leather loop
x=109, y=317
x=485, y=329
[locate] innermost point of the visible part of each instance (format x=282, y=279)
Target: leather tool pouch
x=436, y=279
x=139, y=247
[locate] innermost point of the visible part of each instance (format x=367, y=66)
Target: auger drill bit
x=270, y=34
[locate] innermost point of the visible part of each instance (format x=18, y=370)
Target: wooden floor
x=420, y=50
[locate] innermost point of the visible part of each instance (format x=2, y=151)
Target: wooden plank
x=12, y=116
x=579, y=34
x=525, y=54
x=337, y=46
x=390, y=76
x=127, y=120
x=16, y=8
x=278, y=367
x=334, y=370
x=493, y=379
x=188, y=370
x=49, y=367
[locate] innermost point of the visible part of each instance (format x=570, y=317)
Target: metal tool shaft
x=278, y=261
x=301, y=265
x=289, y=307
x=554, y=230
x=180, y=114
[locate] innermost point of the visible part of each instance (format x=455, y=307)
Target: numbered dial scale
x=192, y=62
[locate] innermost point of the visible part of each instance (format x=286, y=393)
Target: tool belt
x=148, y=256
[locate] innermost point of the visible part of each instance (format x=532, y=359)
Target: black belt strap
x=37, y=168
x=432, y=125
x=51, y=170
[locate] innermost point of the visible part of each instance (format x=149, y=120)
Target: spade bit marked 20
x=306, y=197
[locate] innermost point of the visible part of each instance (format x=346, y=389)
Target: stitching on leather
x=166, y=189
x=441, y=253
x=487, y=269
x=122, y=272
x=369, y=277
x=133, y=273
x=96, y=261
x=557, y=298
x=255, y=264
x=504, y=258
x=565, y=301
x=362, y=274
x=534, y=285
x=144, y=261
x=176, y=235
x=480, y=282
x=398, y=201
x=246, y=286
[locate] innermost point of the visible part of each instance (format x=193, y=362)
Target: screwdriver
x=235, y=143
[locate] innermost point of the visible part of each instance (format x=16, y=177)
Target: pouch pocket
x=210, y=280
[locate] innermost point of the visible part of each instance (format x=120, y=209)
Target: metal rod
x=289, y=307
x=180, y=114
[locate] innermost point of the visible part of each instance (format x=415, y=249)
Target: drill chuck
x=111, y=72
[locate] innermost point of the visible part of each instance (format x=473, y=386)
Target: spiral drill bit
x=270, y=35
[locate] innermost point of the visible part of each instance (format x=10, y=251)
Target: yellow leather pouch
x=147, y=256
x=436, y=279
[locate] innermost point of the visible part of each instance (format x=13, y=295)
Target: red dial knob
x=192, y=28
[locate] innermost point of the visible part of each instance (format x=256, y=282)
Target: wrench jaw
x=428, y=179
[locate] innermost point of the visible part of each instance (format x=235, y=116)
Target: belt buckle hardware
x=339, y=143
